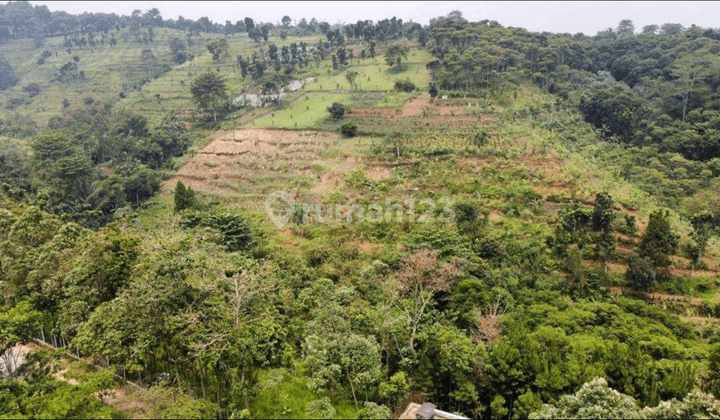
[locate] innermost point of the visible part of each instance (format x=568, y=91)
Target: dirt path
x=658, y=296
x=421, y=106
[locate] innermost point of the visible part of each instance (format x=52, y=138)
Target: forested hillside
x=297, y=220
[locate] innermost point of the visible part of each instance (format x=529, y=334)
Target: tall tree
x=395, y=54
x=692, y=69
x=421, y=277
x=704, y=225
x=7, y=75
x=625, y=29
x=350, y=76
x=650, y=29
x=249, y=24
x=602, y=219
x=209, y=92
x=64, y=163
x=184, y=197
x=218, y=48
x=658, y=241
x=177, y=50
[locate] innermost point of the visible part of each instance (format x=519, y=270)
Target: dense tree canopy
x=209, y=92
x=531, y=300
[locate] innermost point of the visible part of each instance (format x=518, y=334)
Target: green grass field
x=376, y=75
x=108, y=71
x=305, y=112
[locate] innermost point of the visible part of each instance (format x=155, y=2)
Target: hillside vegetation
x=306, y=220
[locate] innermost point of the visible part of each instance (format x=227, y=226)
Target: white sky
x=558, y=17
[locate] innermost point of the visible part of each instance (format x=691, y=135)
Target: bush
x=184, y=197
x=404, y=85
x=15, y=102
x=337, y=110
x=235, y=232
x=371, y=410
x=349, y=129
x=481, y=136
x=320, y=409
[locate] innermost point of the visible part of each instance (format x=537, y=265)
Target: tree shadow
x=395, y=70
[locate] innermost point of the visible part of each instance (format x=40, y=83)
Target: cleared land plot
x=250, y=163
x=375, y=75
x=304, y=112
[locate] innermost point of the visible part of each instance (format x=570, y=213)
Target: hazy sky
x=559, y=17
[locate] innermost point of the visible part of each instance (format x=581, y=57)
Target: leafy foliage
x=337, y=110
x=596, y=400
x=209, y=92
x=236, y=233
x=395, y=53
x=184, y=197
x=658, y=241
x=349, y=129
x=492, y=313
x=404, y=86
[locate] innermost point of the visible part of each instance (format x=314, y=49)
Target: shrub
x=184, y=197
x=337, y=110
x=320, y=409
x=371, y=410
x=480, y=137
x=235, y=232
x=404, y=85
x=349, y=129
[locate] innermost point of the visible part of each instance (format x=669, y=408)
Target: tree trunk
x=202, y=381
x=695, y=263
x=352, y=388
x=687, y=95
x=411, y=343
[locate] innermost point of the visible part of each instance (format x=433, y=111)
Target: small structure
x=426, y=411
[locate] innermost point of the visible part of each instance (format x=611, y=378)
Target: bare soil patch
x=415, y=106
x=335, y=178
x=124, y=402
x=421, y=105
x=377, y=112
x=378, y=173
x=244, y=158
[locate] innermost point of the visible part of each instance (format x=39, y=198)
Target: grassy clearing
x=304, y=112
x=286, y=396
x=377, y=76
